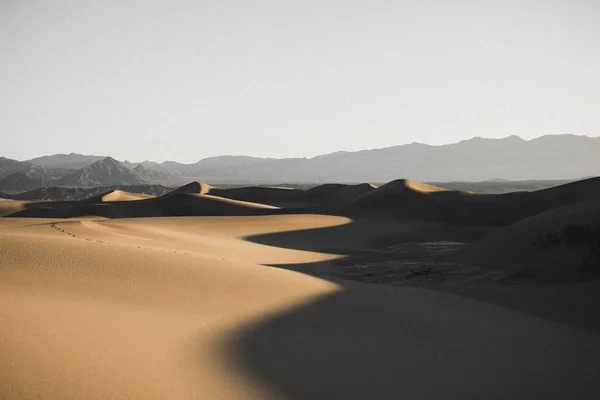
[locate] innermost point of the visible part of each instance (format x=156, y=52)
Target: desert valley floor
x=406, y=291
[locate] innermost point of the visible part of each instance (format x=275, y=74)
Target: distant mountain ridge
x=106, y=171
x=476, y=159
x=9, y=166
x=20, y=181
x=20, y=176
x=70, y=161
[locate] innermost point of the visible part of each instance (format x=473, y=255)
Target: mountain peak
x=106, y=171
x=110, y=160
x=515, y=138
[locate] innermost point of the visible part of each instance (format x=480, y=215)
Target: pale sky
x=184, y=80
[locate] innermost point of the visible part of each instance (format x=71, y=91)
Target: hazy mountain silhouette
x=107, y=171
x=19, y=181
x=476, y=159
x=9, y=166
x=548, y=157
x=19, y=176
x=149, y=175
x=71, y=161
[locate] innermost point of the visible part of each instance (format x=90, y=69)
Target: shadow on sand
x=388, y=342
x=384, y=342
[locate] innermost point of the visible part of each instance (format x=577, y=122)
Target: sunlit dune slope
x=191, y=188
x=10, y=206
x=138, y=309
x=118, y=195
x=407, y=184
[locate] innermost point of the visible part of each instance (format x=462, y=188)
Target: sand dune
x=322, y=195
x=399, y=199
x=118, y=195
x=407, y=184
x=193, y=295
x=275, y=196
x=89, y=318
x=403, y=198
x=332, y=193
x=185, y=201
x=10, y=206
x=182, y=308
x=536, y=247
x=191, y=188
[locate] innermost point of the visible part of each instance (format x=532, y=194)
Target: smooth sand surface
x=185, y=308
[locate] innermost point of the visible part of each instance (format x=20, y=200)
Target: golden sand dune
x=407, y=184
x=89, y=318
x=186, y=296
x=118, y=195
x=10, y=206
x=183, y=307
x=191, y=188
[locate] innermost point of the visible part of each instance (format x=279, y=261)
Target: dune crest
x=401, y=184
x=401, y=198
x=191, y=188
x=335, y=193
x=119, y=195
x=8, y=206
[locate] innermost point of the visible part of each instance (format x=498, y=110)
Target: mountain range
x=476, y=159
x=108, y=171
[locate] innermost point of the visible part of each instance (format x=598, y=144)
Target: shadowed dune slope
x=323, y=195
x=332, y=193
x=275, y=196
x=406, y=198
x=561, y=245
